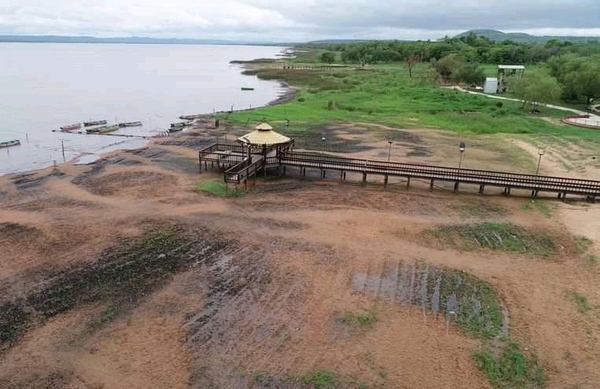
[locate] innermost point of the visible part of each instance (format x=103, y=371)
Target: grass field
x=386, y=95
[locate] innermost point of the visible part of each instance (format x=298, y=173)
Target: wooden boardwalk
x=240, y=169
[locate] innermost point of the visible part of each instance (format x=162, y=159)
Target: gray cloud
x=296, y=19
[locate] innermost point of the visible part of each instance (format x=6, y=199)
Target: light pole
x=461, y=148
x=389, y=150
x=540, y=153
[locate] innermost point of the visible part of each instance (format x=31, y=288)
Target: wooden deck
x=241, y=171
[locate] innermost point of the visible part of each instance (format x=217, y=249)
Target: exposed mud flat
x=248, y=292
x=112, y=184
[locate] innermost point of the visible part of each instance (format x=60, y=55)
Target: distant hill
x=521, y=37
x=127, y=40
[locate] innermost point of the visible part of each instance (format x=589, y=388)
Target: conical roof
x=264, y=135
x=263, y=127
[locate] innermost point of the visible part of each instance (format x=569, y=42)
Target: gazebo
x=268, y=141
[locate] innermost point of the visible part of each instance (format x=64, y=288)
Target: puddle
x=455, y=295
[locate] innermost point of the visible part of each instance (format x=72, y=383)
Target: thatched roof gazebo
x=268, y=141
x=263, y=135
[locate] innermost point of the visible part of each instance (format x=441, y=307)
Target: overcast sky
x=296, y=20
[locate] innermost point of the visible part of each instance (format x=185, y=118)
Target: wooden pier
x=239, y=166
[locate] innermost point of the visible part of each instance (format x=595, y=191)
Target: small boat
x=71, y=127
x=192, y=117
x=130, y=124
x=94, y=123
x=178, y=125
x=105, y=129
x=10, y=143
x=247, y=88
x=175, y=129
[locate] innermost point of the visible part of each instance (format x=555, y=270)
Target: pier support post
x=385, y=181
x=246, y=184
x=199, y=164
x=456, y=187
x=564, y=197
x=481, y=188
x=341, y=175
x=407, y=182
x=431, y=184
x=284, y=170
x=364, y=180
x=534, y=193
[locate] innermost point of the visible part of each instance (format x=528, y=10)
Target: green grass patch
x=386, y=95
x=320, y=379
x=580, y=301
x=591, y=259
x=220, y=189
x=582, y=244
x=362, y=320
x=494, y=236
x=511, y=368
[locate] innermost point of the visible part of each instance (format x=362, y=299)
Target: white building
x=491, y=85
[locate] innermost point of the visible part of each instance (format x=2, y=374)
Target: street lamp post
x=540, y=153
x=461, y=147
x=389, y=150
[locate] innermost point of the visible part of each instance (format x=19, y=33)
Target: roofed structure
x=263, y=135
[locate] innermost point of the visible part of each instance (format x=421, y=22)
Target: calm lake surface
x=45, y=86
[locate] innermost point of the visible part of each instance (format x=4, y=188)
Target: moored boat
x=94, y=123
x=178, y=125
x=245, y=88
x=175, y=129
x=71, y=127
x=130, y=124
x=105, y=129
x=10, y=143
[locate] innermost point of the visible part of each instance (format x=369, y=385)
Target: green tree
x=586, y=81
x=536, y=88
x=470, y=73
x=328, y=57
x=447, y=65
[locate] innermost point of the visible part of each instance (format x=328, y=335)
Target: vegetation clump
x=511, y=368
x=494, y=236
x=220, y=189
x=360, y=320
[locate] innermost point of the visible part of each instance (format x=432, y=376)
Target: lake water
x=45, y=86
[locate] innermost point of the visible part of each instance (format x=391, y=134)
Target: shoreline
x=288, y=94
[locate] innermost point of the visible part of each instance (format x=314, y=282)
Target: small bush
x=367, y=319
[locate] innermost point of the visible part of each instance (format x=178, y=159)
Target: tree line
x=569, y=70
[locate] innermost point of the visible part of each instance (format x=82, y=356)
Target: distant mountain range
x=521, y=37
x=127, y=40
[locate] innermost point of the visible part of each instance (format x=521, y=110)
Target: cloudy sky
x=296, y=20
